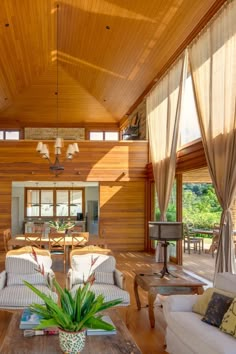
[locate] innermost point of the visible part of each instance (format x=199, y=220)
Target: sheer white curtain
x=213, y=68
x=163, y=115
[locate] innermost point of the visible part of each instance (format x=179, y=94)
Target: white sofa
x=186, y=333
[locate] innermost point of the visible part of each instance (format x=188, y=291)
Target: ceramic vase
x=72, y=342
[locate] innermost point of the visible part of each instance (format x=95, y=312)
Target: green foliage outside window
x=200, y=206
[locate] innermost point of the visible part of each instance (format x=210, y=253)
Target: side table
x=168, y=285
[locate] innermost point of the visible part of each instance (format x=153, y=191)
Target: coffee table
x=14, y=341
x=168, y=285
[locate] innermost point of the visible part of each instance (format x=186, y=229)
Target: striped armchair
x=109, y=281
x=20, y=265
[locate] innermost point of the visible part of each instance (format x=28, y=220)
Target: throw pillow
x=228, y=324
x=104, y=278
x=203, y=300
x=216, y=309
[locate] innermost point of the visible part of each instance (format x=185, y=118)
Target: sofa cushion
x=216, y=309
x=198, y=335
x=226, y=281
x=228, y=324
x=203, y=300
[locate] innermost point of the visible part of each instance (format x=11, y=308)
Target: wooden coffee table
x=168, y=285
x=14, y=342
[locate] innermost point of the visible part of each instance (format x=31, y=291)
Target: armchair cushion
x=110, y=292
x=19, y=296
x=104, y=277
x=24, y=263
x=100, y=277
x=18, y=279
x=216, y=309
x=3, y=278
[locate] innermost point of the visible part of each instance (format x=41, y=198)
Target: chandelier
x=57, y=167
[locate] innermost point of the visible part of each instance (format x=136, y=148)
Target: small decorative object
x=61, y=225
x=72, y=315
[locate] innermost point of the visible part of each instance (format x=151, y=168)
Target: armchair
x=109, y=280
x=20, y=266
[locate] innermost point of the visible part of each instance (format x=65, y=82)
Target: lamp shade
x=165, y=231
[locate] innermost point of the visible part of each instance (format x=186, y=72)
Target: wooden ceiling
x=109, y=53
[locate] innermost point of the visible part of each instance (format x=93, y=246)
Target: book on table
x=29, y=319
x=98, y=332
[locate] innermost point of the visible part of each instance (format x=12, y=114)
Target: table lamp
x=165, y=231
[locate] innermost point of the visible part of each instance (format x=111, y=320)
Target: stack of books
x=29, y=319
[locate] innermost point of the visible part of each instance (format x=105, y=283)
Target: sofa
x=186, y=333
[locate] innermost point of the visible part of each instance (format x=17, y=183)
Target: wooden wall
x=120, y=167
x=128, y=225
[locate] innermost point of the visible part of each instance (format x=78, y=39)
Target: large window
x=189, y=127
x=54, y=203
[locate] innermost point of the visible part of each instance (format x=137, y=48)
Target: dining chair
x=6, y=238
x=191, y=240
x=33, y=239
x=57, y=246
x=215, y=239
x=79, y=239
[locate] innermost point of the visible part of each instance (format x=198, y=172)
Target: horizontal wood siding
x=122, y=214
x=120, y=163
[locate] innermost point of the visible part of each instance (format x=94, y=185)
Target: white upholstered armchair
x=20, y=265
x=109, y=281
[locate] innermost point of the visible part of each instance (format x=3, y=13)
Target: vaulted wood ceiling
x=109, y=53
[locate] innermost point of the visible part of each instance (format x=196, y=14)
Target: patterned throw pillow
x=203, y=300
x=228, y=324
x=216, y=309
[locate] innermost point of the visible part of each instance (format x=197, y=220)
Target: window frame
x=54, y=216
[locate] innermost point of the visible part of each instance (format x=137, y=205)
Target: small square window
x=1, y=135
x=12, y=135
x=96, y=135
x=111, y=136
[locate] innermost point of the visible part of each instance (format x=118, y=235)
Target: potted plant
x=61, y=225
x=72, y=315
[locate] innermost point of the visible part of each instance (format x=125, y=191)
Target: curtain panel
x=163, y=116
x=212, y=58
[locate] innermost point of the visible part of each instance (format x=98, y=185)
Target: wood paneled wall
x=122, y=207
x=120, y=167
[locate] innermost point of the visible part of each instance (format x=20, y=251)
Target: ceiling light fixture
x=57, y=167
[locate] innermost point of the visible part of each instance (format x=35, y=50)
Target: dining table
x=20, y=241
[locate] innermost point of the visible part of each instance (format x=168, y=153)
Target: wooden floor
x=150, y=341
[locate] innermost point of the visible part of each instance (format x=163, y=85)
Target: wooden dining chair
x=191, y=240
x=79, y=239
x=33, y=239
x=215, y=239
x=57, y=246
x=6, y=238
